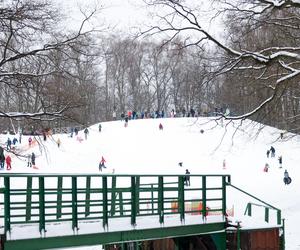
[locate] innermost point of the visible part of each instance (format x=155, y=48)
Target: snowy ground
x=142, y=148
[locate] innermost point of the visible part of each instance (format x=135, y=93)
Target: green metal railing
x=45, y=199
x=263, y=204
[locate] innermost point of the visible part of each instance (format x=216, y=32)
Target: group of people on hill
x=133, y=115
x=272, y=153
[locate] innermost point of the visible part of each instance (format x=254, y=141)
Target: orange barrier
x=196, y=208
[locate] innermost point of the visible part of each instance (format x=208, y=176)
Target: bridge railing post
x=7, y=204
x=161, y=199
x=105, y=201
x=113, y=196
x=137, y=194
x=87, y=196
x=74, y=203
x=28, y=198
x=42, y=204
x=59, y=196
x=133, y=200
x=224, y=195
x=204, y=212
x=181, y=207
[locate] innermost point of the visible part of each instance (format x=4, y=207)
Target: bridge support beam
x=113, y=237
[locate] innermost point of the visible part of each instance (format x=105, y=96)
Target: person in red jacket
x=101, y=164
x=8, y=162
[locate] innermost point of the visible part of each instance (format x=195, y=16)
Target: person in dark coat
x=100, y=127
x=76, y=131
x=287, y=179
x=280, y=161
x=2, y=158
x=126, y=122
x=8, y=144
x=86, y=132
x=187, y=178
x=272, y=149
x=15, y=140
x=32, y=159
x=44, y=135
x=29, y=160
x=268, y=153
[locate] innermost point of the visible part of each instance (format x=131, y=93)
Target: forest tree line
x=84, y=80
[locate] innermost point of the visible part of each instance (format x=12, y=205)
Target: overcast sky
x=130, y=15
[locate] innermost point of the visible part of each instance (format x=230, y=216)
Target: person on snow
x=8, y=162
x=29, y=160
x=86, y=131
x=76, y=131
x=266, y=168
x=2, y=158
x=281, y=135
x=268, y=153
x=44, y=135
x=58, y=142
x=272, y=149
x=160, y=127
x=8, y=144
x=280, y=161
x=72, y=131
x=102, y=163
x=287, y=179
x=126, y=122
x=187, y=178
x=100, y=127
x=29, y=141
x=32, y=159
x=15, y=140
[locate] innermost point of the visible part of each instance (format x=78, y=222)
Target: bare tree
x=273, y=63
x=28, y=35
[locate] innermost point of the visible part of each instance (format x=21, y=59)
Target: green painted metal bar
x=42, y=224
x=152, y=199
x=278, y=217
x=181, y=207
x=266, y=214
x=238, y=243
x=224, y=195
x=121, y=203
x=204, y=212
x=133, y=200
x=87, y=196
x=252, y=196
x=161, y=199
x=137, y=194
x=59, y=196
x=113, y=237
x=248, y=209
x=74, y=204
x=113, y=195
x=105, y=201
x=7, y=218
x=28, y=198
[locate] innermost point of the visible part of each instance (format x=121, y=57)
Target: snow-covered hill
x=201, y=144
